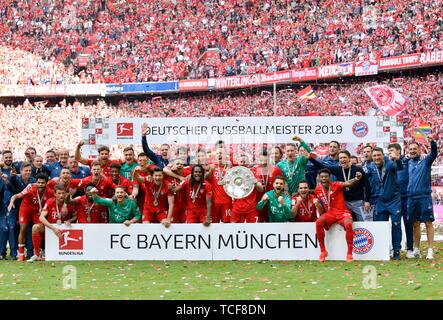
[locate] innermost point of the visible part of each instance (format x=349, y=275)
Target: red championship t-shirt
x=218, y=191
x=156, y=196
x=103, y=185
x=71, y=185
x=307, y=211
x=106, y=168
x=196, y=195
x=332, y=199
x=55, y=212
x=83, y=207
x=32, y=203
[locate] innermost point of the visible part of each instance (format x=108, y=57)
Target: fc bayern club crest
x=360, y=129
x=363, y=241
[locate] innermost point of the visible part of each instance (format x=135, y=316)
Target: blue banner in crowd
x=141, y=87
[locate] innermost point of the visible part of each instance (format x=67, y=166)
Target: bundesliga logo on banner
x=125, y=130
x=71, y=240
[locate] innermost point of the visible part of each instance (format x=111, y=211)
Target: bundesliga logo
x=71, y=240
x=363, y=241
x=360, y=129
x=125, y=129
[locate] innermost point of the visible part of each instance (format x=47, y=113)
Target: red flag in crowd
x=389, y=101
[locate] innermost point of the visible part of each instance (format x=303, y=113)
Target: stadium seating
x=44, y=42
x=44, y=126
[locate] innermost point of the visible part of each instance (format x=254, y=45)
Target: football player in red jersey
x=245, y=210
x=145, y=172
x=331, y=194
x=222, y=203
x=103, y=158
x=103, y=184
x=198, y=194
x=34, y=199
x=54, y=211
x=174, y=175
x=265, y=172
x=159, y=199
x=118, y=180
x=87, y=210
x=305, y=205
x=65, y=179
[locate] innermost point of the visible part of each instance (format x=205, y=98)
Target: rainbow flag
x=421, y=133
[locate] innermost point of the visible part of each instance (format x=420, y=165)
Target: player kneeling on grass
x=55, y=211
x=121, y=208
x=279, y=206
x=331, y=194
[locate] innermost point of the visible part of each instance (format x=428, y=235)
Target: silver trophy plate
x=239, y=182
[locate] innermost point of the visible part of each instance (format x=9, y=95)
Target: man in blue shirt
x=419, y=194
x=55, y=168
x=403, y=179
x=386, y=198
x=8, y=222
x=161, y=160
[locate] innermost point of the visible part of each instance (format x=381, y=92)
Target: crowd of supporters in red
x=166, y=40
x=58, y=125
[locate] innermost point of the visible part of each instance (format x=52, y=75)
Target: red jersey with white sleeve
x=332, y=199
x=103, y=185
x=196, y=195
x=307, y=211
x=32, y=204
x=219, y=194
x=55, y=211
x=88, y=212
x=106, y=168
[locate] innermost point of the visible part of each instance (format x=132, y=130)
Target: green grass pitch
x=251, y=280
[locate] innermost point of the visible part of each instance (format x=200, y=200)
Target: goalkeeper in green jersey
x=294, y=166
x=279, y=204
x=121, y=209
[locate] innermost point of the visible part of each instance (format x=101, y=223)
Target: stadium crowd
x=167, y=40
x=58, y=126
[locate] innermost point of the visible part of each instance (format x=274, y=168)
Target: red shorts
x=335, y=216
x=196, y=216
x=178, y=215
x=154, y=216
x=24, y=216
x=221, y=212
x=240, y=217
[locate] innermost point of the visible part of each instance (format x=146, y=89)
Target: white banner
x=233, y=130
x=271, y=241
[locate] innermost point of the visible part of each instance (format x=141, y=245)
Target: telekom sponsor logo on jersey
x=125, y=130
x=363, y=241
x=71, y=240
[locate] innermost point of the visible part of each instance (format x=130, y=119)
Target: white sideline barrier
x=270, y=241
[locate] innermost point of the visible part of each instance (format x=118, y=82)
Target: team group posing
x=153, y=188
